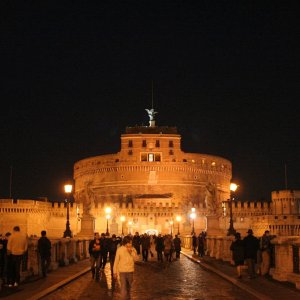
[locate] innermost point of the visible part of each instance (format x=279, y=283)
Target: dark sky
x=75, y=74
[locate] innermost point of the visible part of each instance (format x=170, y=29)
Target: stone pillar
x=54, y=253
x=283, y=259
x=213, y=226
x=72, y=251
x=87, y=227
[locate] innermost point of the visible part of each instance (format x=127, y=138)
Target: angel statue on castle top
x=151, y=113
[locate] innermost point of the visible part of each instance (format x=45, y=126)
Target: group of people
x=13, y=248
x=122, y=252
x=165, y=246
x=199, y=243
x=252, y=251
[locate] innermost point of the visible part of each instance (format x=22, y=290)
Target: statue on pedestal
x=211, y=199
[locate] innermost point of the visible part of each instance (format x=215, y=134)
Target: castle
x=151, y=185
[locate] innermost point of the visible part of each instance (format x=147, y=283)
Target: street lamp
x=68, y=191
x=107, y=211
x=231, y=230
x=122, y=220
x=178, y=219
x=193, y=217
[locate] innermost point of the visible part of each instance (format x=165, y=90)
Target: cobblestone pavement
x=181, y=279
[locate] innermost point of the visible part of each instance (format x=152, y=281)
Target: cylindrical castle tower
x=152, y=171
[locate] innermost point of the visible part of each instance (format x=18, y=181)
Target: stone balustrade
x=286, y=255
x=287, y=251
x=63, y=252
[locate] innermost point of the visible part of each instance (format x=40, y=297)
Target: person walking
x=238, y=253
x=145, y=242
x=168, y=247
x=7, y=261
x=95, y=255
x=177, y=246
x=124, y=266
x=104, y=250
x=44, y=248
x=159, y=247
x=201, y=244
x=251, y=245
x=266, y=249
x=112, y=250
x=17, y=246
x=4, y=258
x=136, y=242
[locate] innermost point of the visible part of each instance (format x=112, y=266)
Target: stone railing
x=64, y=251
x=286, y=255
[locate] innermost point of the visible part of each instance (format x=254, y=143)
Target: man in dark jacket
x=251, y=244
x=44, y=247
x=104, y=240
x=177, y=246
x=112, y=249
x=145, y=242
x=95, y=255
x=136, y=242
x=159, y=247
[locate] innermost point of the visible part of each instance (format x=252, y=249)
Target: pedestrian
x=104, y=250
x=251, y=245
x=266, y=249
x=145, y=242
x=6, y=271
x=201, y=244
x=95, y=255
x=2, y=258
x=238, y=253
x=44, y=248
x=112, y=250
x=168, y=247
x=177, y=246
x=159, y=247
x=136, y=242
x=17, y=246
x=194, y=242
x=124, y=266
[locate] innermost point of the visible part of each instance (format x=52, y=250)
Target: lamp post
x=122, y=221
x=107, y=211
x=193, y=216
x=231, y=230
x=68, y=190
x=178, y=219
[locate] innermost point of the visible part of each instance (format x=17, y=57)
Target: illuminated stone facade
x=281, y=216
x=151, y=181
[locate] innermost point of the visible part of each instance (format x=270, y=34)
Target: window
x=157, y=157
x=150, y=157
x=171, y=144
x=130, y=144
x=130, y=152
x=157, y=144
x=144, y=143
x=171, y=152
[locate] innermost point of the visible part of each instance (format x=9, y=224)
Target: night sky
x=75, y=74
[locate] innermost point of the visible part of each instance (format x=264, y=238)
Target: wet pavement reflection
x=181, y=279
